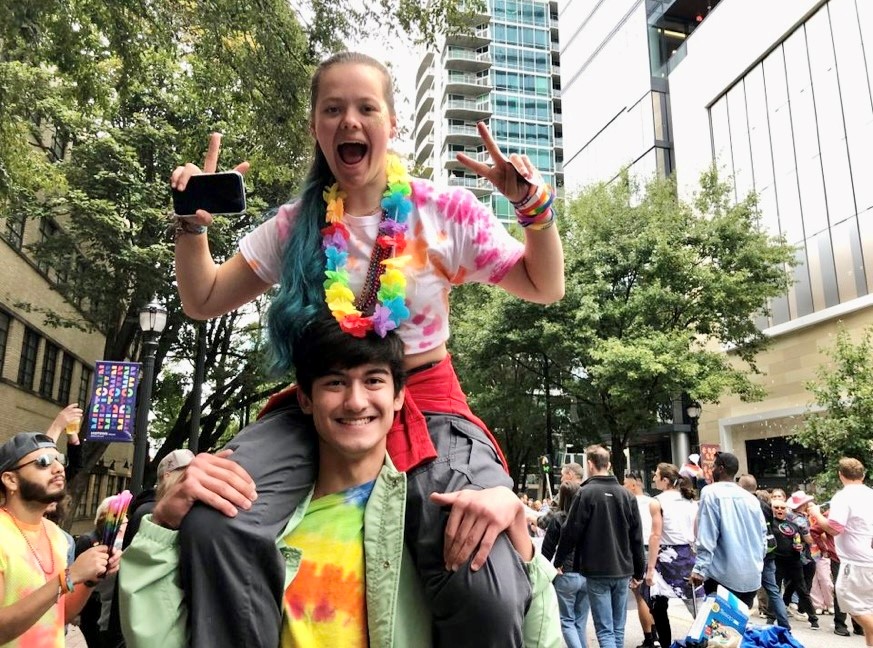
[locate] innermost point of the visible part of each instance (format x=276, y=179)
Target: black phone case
x=216, y=193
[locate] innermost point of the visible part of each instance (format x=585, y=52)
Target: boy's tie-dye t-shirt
x=325, y=604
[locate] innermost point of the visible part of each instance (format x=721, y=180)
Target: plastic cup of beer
x=73, y=426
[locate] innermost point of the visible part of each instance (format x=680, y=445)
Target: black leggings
x=662, y=620
x=233, y=574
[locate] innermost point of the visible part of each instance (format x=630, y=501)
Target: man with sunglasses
x=39, y=591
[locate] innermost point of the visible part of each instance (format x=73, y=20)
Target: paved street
x=680, y=620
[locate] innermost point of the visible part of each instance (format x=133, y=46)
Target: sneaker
x=818, y=611
x=814, y=625
x=830, y=611
x=843, y=632
x=762, y=614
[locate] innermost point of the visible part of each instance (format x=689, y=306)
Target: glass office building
x=783, y=103
x=505, y=72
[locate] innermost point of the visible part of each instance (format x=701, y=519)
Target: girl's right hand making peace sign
x=181, y=175
x=511, y=176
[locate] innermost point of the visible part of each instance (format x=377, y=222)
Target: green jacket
x=153, y=614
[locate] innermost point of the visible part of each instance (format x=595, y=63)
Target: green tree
x=99, y=101
x=656, y=288
x=843, y=390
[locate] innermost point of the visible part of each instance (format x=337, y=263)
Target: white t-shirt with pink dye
x=452, y=238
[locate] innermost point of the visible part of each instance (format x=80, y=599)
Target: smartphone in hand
x=216, y=193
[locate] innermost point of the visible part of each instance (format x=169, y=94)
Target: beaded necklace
x=51, y=569
x=379, y=309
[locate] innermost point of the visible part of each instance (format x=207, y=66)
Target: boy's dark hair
x=323, y=347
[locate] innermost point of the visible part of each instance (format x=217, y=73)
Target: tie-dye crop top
x=452, y=238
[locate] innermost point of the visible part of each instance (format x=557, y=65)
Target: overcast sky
x=402, y=58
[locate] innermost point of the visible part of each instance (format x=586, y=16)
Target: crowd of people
x=799, y=562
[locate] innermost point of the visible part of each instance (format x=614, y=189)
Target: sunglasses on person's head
x=43, y=461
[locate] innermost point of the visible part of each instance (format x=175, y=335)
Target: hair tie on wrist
x=180, y=225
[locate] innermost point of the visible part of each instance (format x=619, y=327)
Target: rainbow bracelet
x=535, y=211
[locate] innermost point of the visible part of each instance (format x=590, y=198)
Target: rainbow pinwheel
x=115, y=517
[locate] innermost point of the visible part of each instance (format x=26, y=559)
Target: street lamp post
x=152, y=320
x=694, y=410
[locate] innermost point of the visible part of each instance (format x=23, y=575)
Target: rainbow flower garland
x=390, y=309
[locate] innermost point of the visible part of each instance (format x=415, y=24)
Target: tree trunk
x=617, y=457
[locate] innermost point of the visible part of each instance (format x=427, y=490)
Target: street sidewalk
x=680, y=620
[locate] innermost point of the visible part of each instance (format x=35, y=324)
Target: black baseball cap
x=21, y=445
x=728, y=461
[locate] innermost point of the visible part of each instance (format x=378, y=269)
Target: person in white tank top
x=671, y=553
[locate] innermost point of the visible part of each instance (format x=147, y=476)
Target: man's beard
x=33, y=492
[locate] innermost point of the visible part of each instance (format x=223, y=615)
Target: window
x=85, y=386
x=15, y=230
x=49, y=367
x=47, y=229
x=27, y=364
x=5, y=321
x=66, y=382
x=779, y=463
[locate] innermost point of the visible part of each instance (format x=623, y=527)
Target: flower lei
x=390, y=309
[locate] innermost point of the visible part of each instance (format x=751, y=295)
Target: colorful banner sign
x=113, y=403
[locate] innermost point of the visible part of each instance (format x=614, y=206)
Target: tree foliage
x=843, y=391
x=100, y=101
x=656, y=288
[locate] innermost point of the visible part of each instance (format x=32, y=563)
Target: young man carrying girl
x=347, y=575
x=383, y=251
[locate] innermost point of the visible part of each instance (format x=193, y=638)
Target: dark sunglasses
x=44, y=461
x=779, y=508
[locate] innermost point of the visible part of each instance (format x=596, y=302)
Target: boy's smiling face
x=353, y=409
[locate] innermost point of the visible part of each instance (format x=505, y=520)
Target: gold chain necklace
x=51, y=570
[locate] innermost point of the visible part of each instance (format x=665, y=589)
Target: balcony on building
x=450, y=160
x=467, y=84
x=425, y=65
x=423, y=128
x=425, y=83
x=465, y=59
x=559, y=145
x=465, y=134
x=423, y=147
x=424, y=105
x=473, y=38
x=479, y=186
x=467, y=109
x=553, y=19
